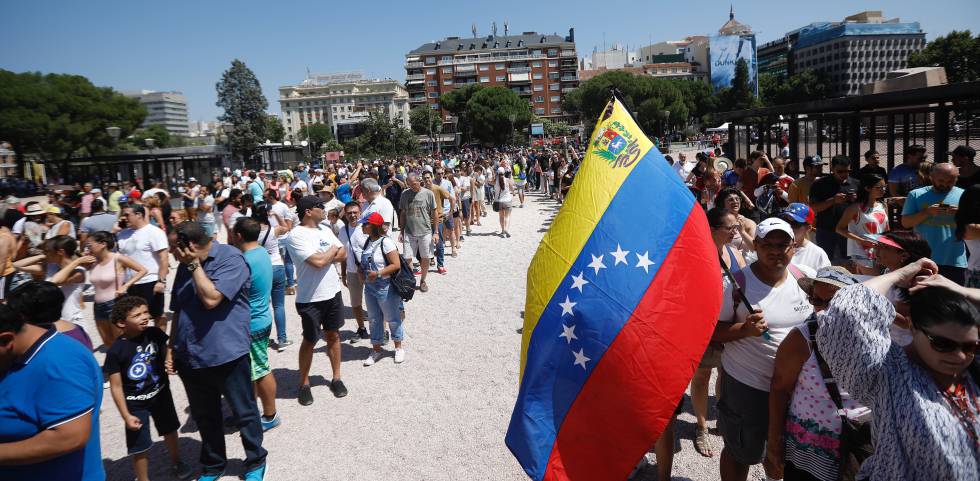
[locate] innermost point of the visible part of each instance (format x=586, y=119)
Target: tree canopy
x=494, y=113
x=274, y=131
x=382, y=137
x=240, y=94
x=958, y=52
x=316, y=134
x=800, y=87
x=53, y=116
x=455, y=103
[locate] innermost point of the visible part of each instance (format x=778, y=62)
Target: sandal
x=702, y=443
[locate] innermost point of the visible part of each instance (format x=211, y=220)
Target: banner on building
x=725, y=51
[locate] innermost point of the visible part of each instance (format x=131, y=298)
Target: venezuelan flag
x=622, y=298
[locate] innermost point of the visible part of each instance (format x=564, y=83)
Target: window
x=484, y=67
x=432, y=83
x=484, y=79
x=556, y=110
x=538, y=75
x=536, y=53
x=538, y=87
x=539, y=110
x=447, y=81
x=501, y=78
x=430, y=60
x=434, y=106
x=553, y=75
x=447, y=58
x=553, y=87
x=553, y=64
x=539, y=99
x=537, y=64
x=499, y=66
x=430, y=71
x=555, y=98
x=552, y=52
x=447, y=70
x=433, y=95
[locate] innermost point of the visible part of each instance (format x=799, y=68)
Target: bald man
x=931, y=211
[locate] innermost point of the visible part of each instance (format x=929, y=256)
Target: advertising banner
x=725, y=50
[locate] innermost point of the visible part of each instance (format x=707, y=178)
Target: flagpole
x=741, y=294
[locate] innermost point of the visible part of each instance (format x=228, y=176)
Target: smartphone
x=182, y=241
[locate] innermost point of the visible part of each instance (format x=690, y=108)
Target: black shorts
x=161, y=409
x=155, y=300
x=321, y=316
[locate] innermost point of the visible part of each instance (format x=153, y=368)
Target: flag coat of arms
x=622, y=297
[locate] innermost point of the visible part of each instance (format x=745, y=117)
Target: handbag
x=855, y=436
x=496, y=206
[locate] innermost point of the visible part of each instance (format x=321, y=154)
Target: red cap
x=882, y=239
x=374, y=219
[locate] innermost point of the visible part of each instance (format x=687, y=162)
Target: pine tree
x=240, y=94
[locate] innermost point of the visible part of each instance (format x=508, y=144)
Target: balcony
x=568, y=53
x=522, y=91
x=413, y=64
x=519, y=77
x=519, y=69
x=569, y=78
x=567, y=89
x=416, y=100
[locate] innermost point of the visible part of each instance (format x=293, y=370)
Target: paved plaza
x=441, y=415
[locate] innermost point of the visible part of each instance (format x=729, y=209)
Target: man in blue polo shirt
x=931, y=211
x=210, y=346
x=50, y=394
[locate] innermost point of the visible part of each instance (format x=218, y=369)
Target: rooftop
x=734, y=27
x=451, y=45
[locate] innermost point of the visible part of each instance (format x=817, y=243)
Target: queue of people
x=846, y=344
x=305, y=233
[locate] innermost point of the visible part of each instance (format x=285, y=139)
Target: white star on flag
x=597, y=264
x=566, y=307
x=568, y=332
x=580, y=358
x=620, y=255
x=579, y=281
x=644, y=261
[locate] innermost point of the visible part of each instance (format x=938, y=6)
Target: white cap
x=773, y=224
x=501, y=170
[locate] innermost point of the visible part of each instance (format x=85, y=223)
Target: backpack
x=403, y=280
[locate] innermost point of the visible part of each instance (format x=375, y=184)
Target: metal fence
x=939, y=118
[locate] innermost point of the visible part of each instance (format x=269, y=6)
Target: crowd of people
x=846, y=344
x=238, y=244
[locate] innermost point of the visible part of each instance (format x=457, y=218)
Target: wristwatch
x=191, y=267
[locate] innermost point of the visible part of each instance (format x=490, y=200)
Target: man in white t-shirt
x=314, y=251
x=683, y=167
x=146, y=244
x=375, y=202
x=800, y=218
x=752, y=335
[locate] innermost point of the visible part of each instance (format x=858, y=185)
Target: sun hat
x=34, y=209
x=771, y=225
x=834, y=275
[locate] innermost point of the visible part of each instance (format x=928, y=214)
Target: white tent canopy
x=721, y=128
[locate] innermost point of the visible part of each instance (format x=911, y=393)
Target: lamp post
x=114, y=133
x=228, y=129
x=510, y=135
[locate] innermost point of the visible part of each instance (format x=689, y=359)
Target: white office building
x=168, y=109
x=340, y=99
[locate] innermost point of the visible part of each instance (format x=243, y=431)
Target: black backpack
x=403, y=280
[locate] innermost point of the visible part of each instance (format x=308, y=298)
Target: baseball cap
x=307, y=202
x=96, y=190
x=135, y=195
x=799, y=212
x=373, y=218
x=192, y=179
x=771, y=225
x=965, y=151
x=885, y=240
x=730, y=177
x=833, y=275
x=53, y=209
x=812, y=160
x=123, y=199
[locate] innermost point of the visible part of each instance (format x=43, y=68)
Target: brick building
x=540, y=68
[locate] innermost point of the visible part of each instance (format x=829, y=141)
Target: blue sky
x=185, y=46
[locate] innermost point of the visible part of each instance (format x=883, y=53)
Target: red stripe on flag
x=633, y=391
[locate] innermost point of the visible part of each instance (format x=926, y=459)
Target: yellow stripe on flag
x=614, y=149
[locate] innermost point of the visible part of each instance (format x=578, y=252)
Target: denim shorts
x=103, y=310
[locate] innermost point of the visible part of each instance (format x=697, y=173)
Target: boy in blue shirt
x=140, y=386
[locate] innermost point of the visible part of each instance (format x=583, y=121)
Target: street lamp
x=512, y=118
x=149, y=143
x=114, y=133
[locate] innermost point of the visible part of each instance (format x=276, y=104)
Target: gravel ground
x=442, y=415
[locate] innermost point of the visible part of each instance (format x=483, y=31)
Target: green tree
x=553, y=129
x=957, y=52
x=316, y=134
x=382, y=137
x=274, y=130
x=741, y=95
x=425, y=121
x=332, y=146
x=240, y=94
x=494, y=113
x=54, y=116
x=801, y=87
x=455, y=102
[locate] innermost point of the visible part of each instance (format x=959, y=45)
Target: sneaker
x=462, y=238
x=337, y=388
x=441, y=270
x=399, y=356
x=181, y=470
x=257, y=474
x=211, y=477
x=305, y=395
x=423, y=287
x=370, y=360
x=271, y=423
x=363, y=334
x=105, y=384
x=281, y=346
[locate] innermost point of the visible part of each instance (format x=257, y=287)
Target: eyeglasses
x=944, y=345
x=818, y=302
x=879, y=187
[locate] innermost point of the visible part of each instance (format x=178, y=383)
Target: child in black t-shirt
x=140, y=386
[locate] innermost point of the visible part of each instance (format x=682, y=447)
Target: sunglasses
x=944, y=345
